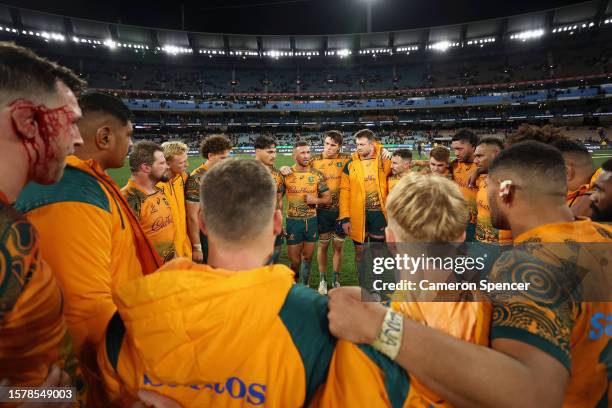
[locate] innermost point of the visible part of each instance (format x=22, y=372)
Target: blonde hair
x=174, y=149
x=427, y=208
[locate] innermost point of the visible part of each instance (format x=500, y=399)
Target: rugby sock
x=321, y=276
x=336, y=276
x=305, y=272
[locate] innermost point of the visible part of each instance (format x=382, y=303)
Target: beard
x=498, y=220
x=600, y=215
x=163, y=178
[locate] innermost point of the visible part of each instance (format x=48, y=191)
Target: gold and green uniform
x=461, y=172
x=485, y=232
x=155, y=216
x=301, y=217
x=573, y=331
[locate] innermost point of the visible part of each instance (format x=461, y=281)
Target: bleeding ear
x=24, y=122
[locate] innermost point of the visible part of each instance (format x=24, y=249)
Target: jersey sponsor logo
x=483, y=204
x=311, y=179
x=161, y=223
x=296, y=190
x=234, y=387
x=600, y=325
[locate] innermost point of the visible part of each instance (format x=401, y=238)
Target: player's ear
x=103, y=138
x=389, y=235
x=278, y=222
x=569, y=170
x=24, y=123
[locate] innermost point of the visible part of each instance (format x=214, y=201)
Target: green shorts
x=375, y=222
x=302, y=230
x=327, y=220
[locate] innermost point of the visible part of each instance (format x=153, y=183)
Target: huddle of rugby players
x=168, y=292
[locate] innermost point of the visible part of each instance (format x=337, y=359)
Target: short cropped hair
x=143, y=153
x=491, y=140
x=300, y=143
x=405, y=154
x=567, y=146
x=263, y=142
x=427, y=208
x=96, y=102
x=25, y=75
x=440, y=153
x=543, y=134
x=335, y=135
x=367, y=133
x=539, y=167
x=214, y=144
x=238, y=199
x=174, y=148
x=466, y=135
x=607, y=165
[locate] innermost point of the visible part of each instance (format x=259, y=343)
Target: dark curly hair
x=543, y=134
x=214, y=144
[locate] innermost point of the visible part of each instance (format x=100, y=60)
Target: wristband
x=197, y=247
x=389, y=338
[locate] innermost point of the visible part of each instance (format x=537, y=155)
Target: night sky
x=291, y=17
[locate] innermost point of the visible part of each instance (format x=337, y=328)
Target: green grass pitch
x=348, y=274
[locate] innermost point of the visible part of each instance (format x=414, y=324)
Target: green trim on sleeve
x=524, y=336
x=74, y=186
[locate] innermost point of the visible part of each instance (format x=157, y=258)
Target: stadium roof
x=524, y=26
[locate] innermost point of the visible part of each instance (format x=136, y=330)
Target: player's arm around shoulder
x=530, y=375
x=322, y=188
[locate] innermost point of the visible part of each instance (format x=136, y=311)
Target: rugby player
x=462, y=168
x=363, y=194
x=305, y=188
x=265, y=152
x=38, y=116
x=601, y=198
x=400, y=166
x=176, y=156
x=213, y=148
x=487, y=149
x=148, y=202
x=581, y=175
x=330, y=162
x=438, y=163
